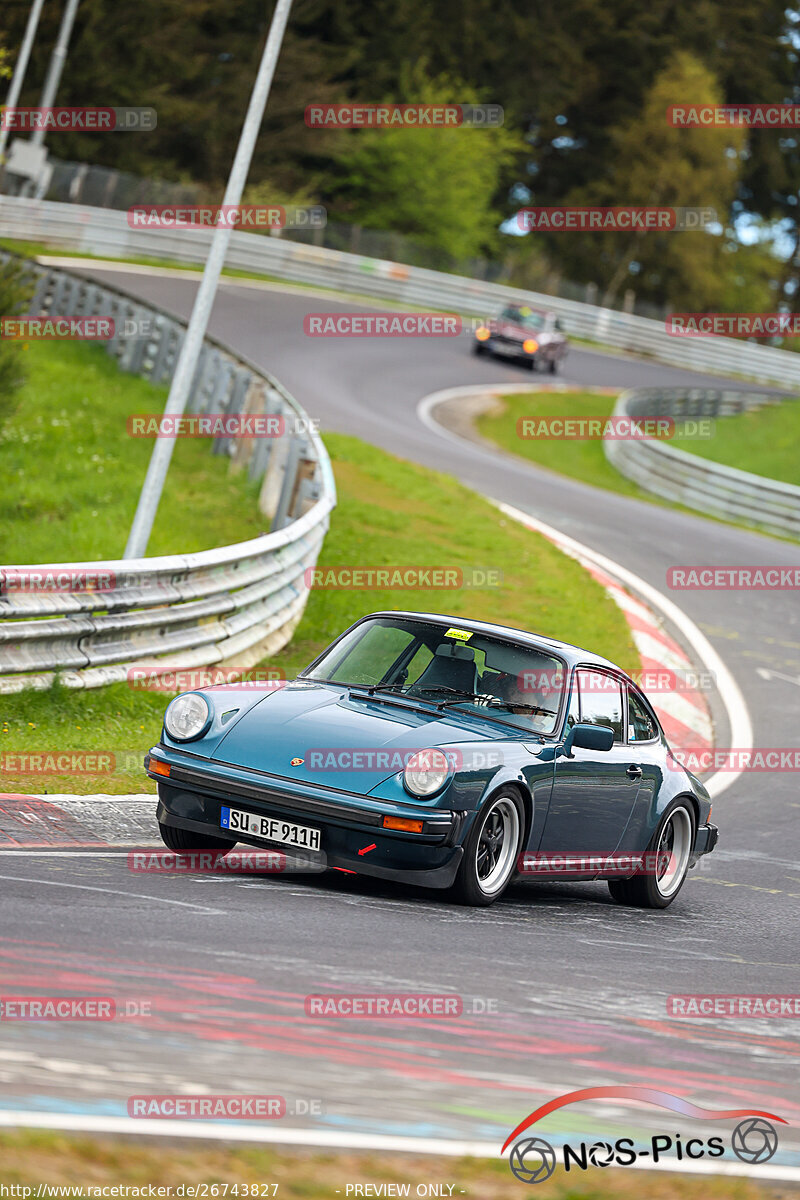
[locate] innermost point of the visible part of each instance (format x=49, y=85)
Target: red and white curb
x=31, y=824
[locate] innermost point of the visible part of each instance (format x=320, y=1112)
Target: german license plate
x=269, y=829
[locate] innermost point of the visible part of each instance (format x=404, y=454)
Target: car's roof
x=571, y=654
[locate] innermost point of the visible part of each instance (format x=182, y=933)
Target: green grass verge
x=764, y=442
x=580, y=460
x=30, y=1158
x=390, y=512
x=72, y=475
x=585, y=460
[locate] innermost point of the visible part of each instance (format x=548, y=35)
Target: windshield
x=448, y=665
x=524, y=316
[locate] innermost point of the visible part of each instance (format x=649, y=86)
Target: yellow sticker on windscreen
x=463, y=635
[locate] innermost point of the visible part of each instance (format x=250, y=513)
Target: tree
x=655, y=164
x=436, y=185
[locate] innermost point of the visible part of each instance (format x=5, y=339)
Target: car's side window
x=641, y=726
x=601, y=701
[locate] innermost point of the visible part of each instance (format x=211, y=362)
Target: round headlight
x=530, y=345
x=482, y=333
x=187, y=717
x=426, y=772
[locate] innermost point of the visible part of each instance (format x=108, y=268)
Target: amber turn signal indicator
x=402, y=823
x=159, y=768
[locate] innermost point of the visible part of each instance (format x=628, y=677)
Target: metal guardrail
x=699, y=483
x=106, y=233
x=227, y=607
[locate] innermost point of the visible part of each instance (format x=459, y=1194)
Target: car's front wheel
x=185, y=839
x=673, y=846
x=491, y=851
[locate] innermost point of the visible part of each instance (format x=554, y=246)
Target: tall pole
x=198, y=322
x=57, y=60
x=20, y=69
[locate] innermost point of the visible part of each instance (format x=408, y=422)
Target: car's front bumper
x=352, y=836
x=507, y=347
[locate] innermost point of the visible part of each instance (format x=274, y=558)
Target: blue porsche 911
x=440, y=752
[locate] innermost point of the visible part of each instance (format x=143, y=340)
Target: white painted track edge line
x=741, y=729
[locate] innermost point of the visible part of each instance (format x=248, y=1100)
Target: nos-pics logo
x=532, y=1159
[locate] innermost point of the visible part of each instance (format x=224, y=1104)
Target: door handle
x=634, y=772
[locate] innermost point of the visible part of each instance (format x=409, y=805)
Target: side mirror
x=588, y=737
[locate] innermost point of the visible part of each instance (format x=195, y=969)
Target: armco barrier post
x=272, y=487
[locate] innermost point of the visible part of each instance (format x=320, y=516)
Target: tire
x=185, y=839
x=530, y=363
x=553, y=366
x=478, y=348
x=474, y=884
x=676, y=834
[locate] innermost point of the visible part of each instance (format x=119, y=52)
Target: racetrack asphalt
x=576, y=985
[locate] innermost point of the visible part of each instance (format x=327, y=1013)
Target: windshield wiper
x=373, y=687
x=366, y=687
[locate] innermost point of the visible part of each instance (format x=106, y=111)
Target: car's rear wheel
x=186, y=839
x=673, y=842
x=491, y=851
